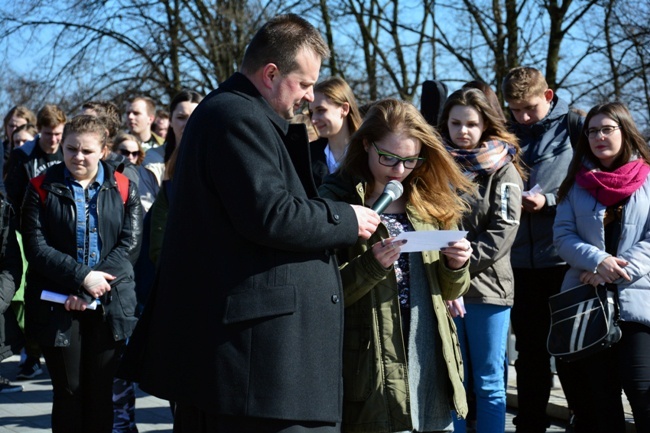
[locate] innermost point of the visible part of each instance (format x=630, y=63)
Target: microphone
x=392, y=192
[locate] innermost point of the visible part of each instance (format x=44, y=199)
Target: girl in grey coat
x=604, y=206
x=488, y=154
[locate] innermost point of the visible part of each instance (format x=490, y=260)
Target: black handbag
x=584, y=321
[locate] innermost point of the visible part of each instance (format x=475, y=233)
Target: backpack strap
x=573, y=127
x=37, y=183
x=122, y=185
x=121, y=180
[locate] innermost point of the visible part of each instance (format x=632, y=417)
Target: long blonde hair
x=433, y=188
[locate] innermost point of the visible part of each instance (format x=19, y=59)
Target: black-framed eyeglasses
x=127, y=153
x=605, y=130
x=389, y=160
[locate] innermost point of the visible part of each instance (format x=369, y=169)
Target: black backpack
x=574, y=127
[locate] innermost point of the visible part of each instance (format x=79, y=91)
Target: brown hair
x=491, y=96
x=108, y=113
x=162, y=114
x=495, y=128
x=338, y=91
x=632, y=144
x=19, y=111
x=433, y=188
x=305, y=118
x=279, y=41
x=122, y=137
x=522, y=83
x=50, y=116
x=87, y=124
x=171, y=149
x=28, y=127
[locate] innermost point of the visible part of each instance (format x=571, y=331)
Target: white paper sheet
x=533, y=191
x=429, y=240
x=60, y=298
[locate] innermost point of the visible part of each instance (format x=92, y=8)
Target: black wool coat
x=246, y=313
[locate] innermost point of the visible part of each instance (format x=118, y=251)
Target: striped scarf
x=484, y=159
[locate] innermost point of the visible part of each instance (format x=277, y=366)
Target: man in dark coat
x=244, y=327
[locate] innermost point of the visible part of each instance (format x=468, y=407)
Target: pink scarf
x=611, y=187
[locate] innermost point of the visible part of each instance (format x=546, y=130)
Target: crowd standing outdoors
x=315, y=315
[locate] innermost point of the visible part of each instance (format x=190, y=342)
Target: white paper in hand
x=429, y=240
x=60, y=298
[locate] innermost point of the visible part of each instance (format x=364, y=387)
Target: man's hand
x=533, y=203
x=367, y=219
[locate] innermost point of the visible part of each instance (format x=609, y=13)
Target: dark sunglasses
x=128, y=153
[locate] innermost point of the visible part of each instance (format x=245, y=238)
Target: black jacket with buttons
x=49, y=238
x=247, y=297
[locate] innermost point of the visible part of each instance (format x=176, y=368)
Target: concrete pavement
x=29, y=411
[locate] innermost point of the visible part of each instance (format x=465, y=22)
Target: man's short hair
x=148, y=102
x=108, y=112
x=50, y=116
x=522, y=83
x=162, y=114
x=279, y=41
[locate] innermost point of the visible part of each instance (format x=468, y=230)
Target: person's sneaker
x=29, y=369
x=6, y=387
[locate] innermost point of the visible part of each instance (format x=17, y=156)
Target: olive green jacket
x=376, y=394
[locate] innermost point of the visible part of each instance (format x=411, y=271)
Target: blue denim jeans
x=483, y=335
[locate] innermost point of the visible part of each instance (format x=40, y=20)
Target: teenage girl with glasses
x=401, y=364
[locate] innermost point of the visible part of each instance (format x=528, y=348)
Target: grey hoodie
x=547, y=153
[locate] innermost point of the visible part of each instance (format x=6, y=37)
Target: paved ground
x=29, y=411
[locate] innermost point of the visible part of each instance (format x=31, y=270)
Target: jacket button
x=335, y=299
x=336, y=217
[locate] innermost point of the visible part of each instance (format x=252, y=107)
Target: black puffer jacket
x=49, y=236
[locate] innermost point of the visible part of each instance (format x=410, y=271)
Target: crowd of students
x=424, y=333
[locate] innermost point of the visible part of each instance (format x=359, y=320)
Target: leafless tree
x=124, y=47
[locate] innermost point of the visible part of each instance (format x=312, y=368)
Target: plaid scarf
x=484, y=159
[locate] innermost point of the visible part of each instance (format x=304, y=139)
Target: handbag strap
x=612, y=238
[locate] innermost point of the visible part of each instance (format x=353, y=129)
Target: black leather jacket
x=49, y=237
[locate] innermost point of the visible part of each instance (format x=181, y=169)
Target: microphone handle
x=382, y=202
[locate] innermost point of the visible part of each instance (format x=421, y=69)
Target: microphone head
x=394, y=188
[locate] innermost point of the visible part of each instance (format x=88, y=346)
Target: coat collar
x=239, y=83
x=56, y=175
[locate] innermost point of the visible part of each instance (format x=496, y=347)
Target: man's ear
x=270, y=72
x=548, y=95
